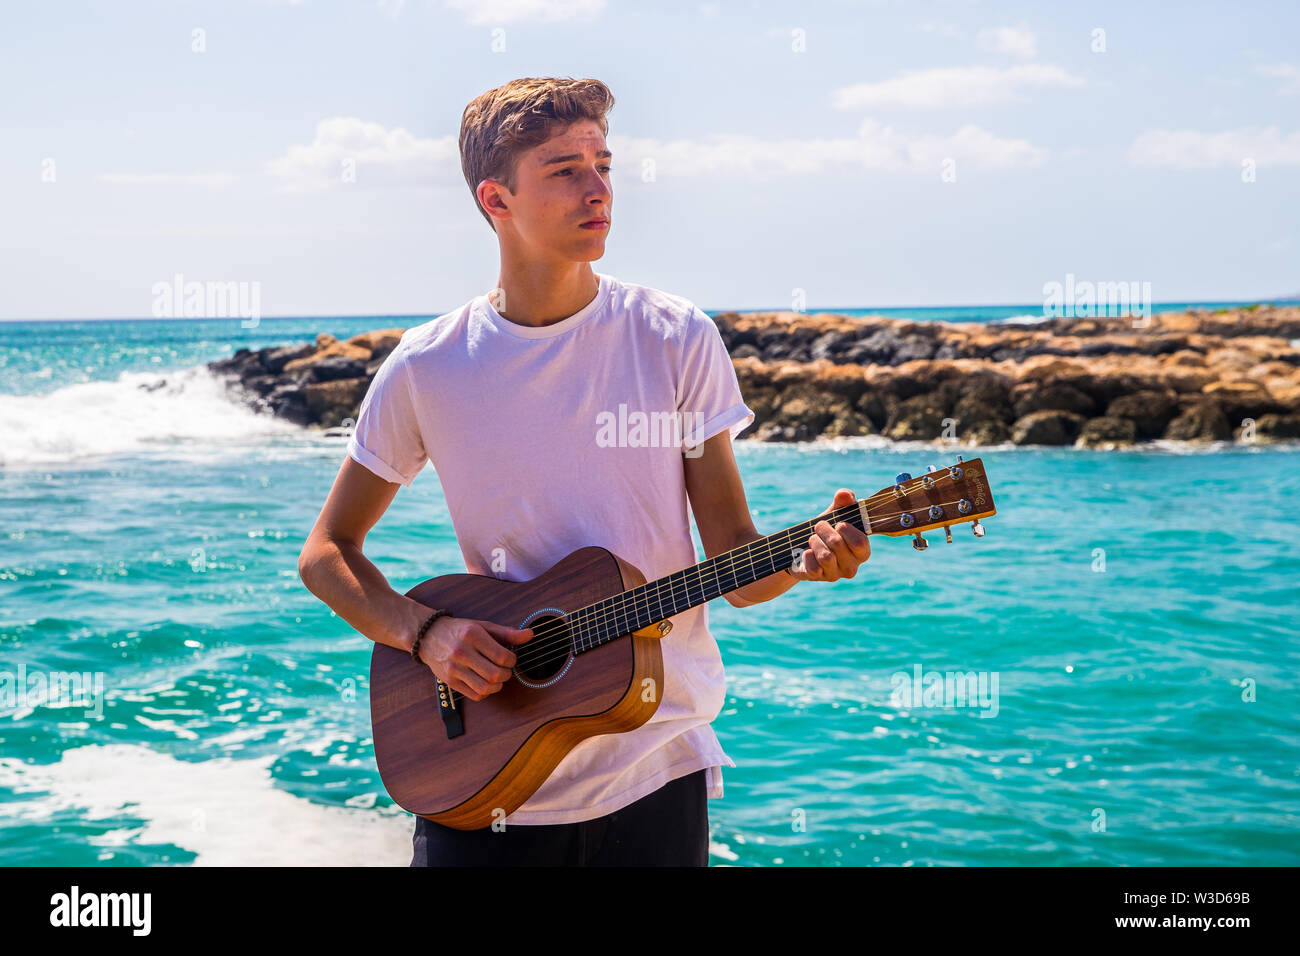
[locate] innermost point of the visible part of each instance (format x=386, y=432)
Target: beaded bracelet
x=415, y=648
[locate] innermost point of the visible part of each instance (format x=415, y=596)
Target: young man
x=506, y=397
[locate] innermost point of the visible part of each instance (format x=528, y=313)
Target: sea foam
x=138, y=412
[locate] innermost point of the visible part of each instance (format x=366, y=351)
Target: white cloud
x=1192, y=149
x=380, y=157
x=1016, y=41
x=952, y=86
x=877, y=147
x=168, y=179
x=482, y=12
x=1286, y=71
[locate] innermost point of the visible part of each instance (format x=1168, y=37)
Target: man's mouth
x=596, y=224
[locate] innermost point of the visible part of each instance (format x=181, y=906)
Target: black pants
x=669, y=827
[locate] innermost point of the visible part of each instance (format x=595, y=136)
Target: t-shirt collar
x=555, y=328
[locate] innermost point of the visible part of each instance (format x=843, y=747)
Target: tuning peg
x=947, y=534
x=930, y=468
x=960, y=459
x=902, y=477
x=977, y=529
x=919, y=542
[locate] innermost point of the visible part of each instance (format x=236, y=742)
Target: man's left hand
x=833, y=553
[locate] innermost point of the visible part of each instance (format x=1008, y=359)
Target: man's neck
x=542, y=296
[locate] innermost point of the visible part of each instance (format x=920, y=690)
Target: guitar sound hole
x=547, y=653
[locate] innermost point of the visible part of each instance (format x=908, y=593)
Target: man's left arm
x=722, y=515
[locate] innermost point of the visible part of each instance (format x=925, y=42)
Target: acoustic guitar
x=594, y=665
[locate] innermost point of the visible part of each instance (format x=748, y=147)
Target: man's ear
x=490, y=195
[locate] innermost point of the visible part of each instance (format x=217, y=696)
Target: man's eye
x=563, y=171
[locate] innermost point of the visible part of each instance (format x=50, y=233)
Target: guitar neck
x=680, y=591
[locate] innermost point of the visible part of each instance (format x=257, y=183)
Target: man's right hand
x=471, y=657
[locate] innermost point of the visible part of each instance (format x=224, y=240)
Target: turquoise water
x=1125, y=603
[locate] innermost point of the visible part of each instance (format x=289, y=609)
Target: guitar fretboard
x=657, y=600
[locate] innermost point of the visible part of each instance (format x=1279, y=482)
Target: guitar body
x=512, y=739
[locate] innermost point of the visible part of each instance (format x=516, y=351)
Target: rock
x=1273, y=427
x=970, y=416
x=913, y=348
x=274, y=360
x=239, y=362
x=916, y=419
x=289, y=401
x=328, y=347
x=991, y=432
x=1204, y=421
x=1240, y=400
x=826, y=345
x=333, y=368
x=333, y=401
x=1054, y=396
x=261, y=384
x=1107, y=432
x=871, y=404
x=1149, y=411
x=1047, y=427
x=374, y=340
x=878, y=348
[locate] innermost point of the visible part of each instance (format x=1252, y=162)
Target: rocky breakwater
x=320, y=383
x=1226, y=375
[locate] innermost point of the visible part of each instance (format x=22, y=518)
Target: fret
x=691, y=587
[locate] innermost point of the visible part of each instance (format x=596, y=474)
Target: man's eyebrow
x=603, y=154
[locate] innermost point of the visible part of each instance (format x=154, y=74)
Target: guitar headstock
x=940, y=498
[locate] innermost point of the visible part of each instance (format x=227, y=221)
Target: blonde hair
x=505, y=122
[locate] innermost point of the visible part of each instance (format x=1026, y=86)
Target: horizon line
x=1274, y=300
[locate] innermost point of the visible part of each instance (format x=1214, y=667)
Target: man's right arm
x=333, y=567
x=473, y=657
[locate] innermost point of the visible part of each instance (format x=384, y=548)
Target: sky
x=844, y=153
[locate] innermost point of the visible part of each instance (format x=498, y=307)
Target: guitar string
x=732, y=556
x=664, y=587
x=656, y=596
x=574, y=622
x=626, y=609
x=639, y=605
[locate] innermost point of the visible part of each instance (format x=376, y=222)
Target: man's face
x=559, y=186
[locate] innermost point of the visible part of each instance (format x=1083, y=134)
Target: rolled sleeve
x=387, y=438
x=709, y=398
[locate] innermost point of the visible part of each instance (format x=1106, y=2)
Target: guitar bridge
x=453, y=718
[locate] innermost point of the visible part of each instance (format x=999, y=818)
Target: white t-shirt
x=534, y=434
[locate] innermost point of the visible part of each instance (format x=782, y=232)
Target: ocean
x=1129, y=623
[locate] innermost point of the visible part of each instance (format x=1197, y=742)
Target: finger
x=845, y=560
x=487, y=640
x=824, y=557
x=482, y=662
x=858, y=542
x=469, y=684
x=841, y=498
x=512, y=634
